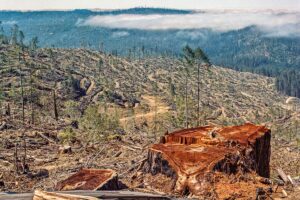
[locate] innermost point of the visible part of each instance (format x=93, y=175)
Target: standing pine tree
x=200, y=59
x=191, y=58
x=188, y=62
x=14, y=35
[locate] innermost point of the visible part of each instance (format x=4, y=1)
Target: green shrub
x=67, y=135
x=98, y=124
x=72, y=109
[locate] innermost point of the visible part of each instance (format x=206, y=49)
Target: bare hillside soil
x=138, y=94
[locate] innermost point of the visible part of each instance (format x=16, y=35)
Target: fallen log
x=92, y=158
x=46, y=138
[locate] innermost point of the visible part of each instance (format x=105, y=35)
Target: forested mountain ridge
x=246, y=49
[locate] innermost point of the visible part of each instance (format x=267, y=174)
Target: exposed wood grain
x=124, y=195
x=42, y=195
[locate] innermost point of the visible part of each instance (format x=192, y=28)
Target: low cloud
x=286, y=30
x=9, y=22
x=268, y=21
x=119, y=34
x=191, y=34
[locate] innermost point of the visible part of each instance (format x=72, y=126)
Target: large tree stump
x=91, y=179
x=191, y=156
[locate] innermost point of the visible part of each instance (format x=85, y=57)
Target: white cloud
x=191, y=34
x=119, y=34
x=286, y=30
x=9, y=22
x=215, y=20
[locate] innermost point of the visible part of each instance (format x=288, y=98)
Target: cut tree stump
x=190, y=157
x=91, y=179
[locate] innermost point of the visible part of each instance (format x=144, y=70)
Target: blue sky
x=120, y=4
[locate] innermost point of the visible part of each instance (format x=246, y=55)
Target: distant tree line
x=288, y=82
x=276, y=65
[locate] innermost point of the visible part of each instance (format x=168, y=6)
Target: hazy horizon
x=35, y=5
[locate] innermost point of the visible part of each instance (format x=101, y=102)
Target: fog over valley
x=273, y=23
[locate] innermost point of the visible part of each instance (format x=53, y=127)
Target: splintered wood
x=211, y=161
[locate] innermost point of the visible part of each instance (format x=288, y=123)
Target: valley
x=90, y=109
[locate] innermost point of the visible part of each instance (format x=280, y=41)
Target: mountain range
x=251, y=46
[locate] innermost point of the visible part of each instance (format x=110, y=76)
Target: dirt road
x=156, y=106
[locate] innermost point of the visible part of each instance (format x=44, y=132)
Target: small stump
x=91, y=179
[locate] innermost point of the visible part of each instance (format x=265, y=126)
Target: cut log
x=41, y=195
x=91, y=179
x=84, y=194
x=191, y=156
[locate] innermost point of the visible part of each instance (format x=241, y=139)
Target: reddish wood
x=189, y=155
x=91, y=179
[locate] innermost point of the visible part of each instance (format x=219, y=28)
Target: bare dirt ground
x=124, y=156
x=156, y=106
x=227, y=97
